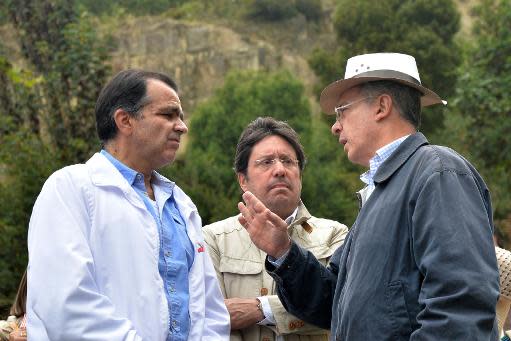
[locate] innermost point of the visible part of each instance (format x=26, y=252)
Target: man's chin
x=282, y=208
x=284, y=190
x=166, y=162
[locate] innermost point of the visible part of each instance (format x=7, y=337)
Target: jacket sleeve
x=217, y=320
x=453, y=248
x=306, y=287
x=63, y=300
x=287, y=323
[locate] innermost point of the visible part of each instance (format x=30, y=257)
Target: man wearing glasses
x=419, y=262
x=269, y=162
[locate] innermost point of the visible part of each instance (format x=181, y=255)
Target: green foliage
x=276, y=10
x=78, y=71
x=46, y=115
x=133, y=7
x=30, y=163
x=3, y=15
x=311, y=9
x=64, y=51
x=270, y=10
x=206, y=173
x=330, y=180
x=189, y=10
x=24, y=164
x=484, y=105
x=422, y=28
x=215, y=127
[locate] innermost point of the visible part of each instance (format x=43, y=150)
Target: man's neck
x=124, y=156
x=390, y=135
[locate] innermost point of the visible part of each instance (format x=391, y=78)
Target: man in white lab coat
x=115, y=249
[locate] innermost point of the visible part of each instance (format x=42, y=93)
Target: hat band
x=388, y=74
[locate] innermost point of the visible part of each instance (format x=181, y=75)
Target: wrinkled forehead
x=273, y=145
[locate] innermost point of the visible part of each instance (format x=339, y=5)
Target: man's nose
x=181, y=126
x=278, y=168
x=336, y=128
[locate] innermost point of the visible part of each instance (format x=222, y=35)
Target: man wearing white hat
x=419, y=261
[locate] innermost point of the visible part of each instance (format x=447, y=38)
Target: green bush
x=46, y=115
x=311, y=9
x=482, y=107
x=422, y=28
x=133, y=7
x=206, y=172
x=270, y=10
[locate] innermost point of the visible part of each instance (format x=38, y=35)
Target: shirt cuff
x=277, y=262
x=269, y=320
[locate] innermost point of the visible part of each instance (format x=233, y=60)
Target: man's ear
x=385, y=105
x=242, y=180
x=123, y=121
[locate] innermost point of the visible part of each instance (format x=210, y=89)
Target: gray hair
x=406, y=99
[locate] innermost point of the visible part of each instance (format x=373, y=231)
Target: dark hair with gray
x=257, y=130
x=406, y=98
x=126, y=91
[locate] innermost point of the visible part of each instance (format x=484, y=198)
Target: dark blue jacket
x=418, y=264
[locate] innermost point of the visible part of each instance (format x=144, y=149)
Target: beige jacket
x=239, y=265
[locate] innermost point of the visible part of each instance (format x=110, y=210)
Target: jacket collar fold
x=301, y=216
x=399, y=157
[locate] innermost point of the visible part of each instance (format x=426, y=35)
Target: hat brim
x=330, y=95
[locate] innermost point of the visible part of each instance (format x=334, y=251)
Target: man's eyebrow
x=171, y=110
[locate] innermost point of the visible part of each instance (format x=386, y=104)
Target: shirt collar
x=380, y=156
x=292, y=217
x=131, y=175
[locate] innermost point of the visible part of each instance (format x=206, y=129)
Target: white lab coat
x=93, y=263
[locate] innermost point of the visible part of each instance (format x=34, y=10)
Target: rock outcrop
x=198, y=55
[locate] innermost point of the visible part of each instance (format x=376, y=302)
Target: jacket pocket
x=398, y=313
x=240, y=266
x=241, y=277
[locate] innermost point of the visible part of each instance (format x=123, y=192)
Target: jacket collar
x=301, y=216
x=399, y=157
x=184, y=203
x=104, y=174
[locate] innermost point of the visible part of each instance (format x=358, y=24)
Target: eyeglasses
x=340, y=109
x=268, y=162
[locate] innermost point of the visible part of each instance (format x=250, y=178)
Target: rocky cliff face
x=198, y=56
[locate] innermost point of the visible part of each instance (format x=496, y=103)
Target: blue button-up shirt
x=380, y=156
x=176, y=250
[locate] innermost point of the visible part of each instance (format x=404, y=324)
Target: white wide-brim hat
x=397, y=67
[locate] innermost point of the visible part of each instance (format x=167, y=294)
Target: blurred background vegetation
x=235, y=60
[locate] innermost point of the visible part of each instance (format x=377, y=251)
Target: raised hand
x=267, y=230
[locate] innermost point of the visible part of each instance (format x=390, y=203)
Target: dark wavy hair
x=257, y=130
